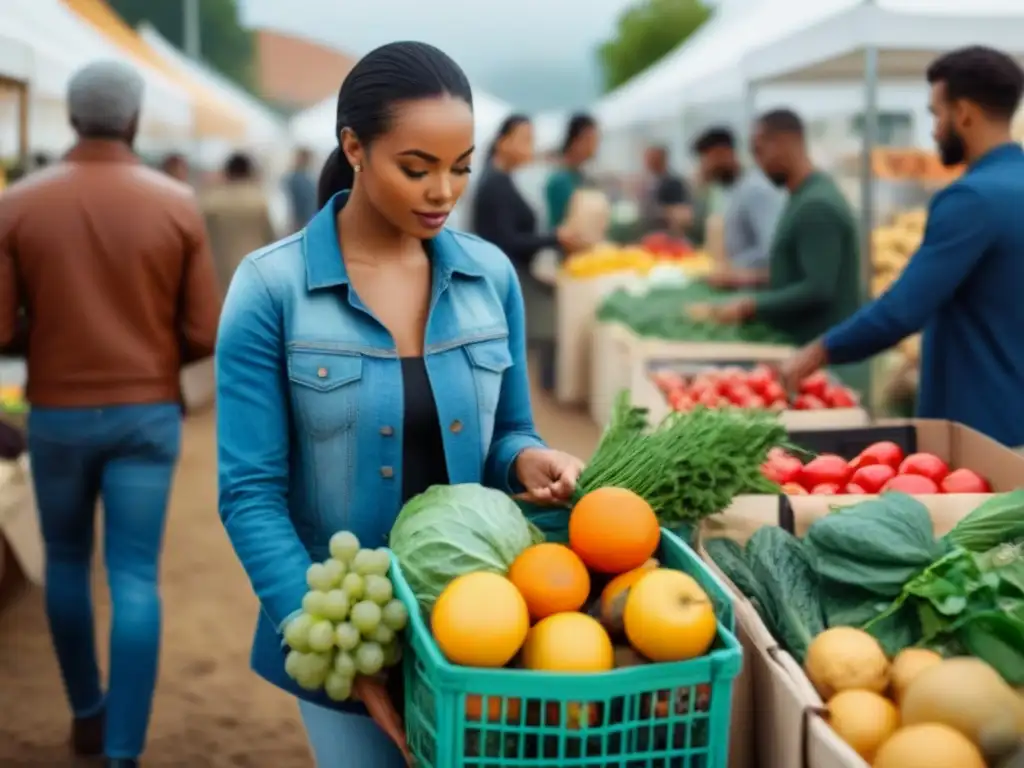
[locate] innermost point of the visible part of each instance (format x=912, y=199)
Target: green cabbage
x=451, y=530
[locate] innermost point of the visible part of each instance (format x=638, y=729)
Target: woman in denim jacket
x=367, y=357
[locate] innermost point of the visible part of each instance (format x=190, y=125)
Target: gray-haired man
x=110, y=261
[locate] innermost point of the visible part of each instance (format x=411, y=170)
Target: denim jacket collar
x=325, y=267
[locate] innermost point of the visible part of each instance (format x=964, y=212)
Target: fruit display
x=879, y=468
x=911, y=164
x=660, y=312
x=893, y=245
x=609, y=258
x=869, y=598
x=350, y=621
x=12, y=399
x=759, y=387
x=600, y=601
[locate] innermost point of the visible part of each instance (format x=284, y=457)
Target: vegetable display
x=350, y=621
x=879, y=468
x=689, y=466
x=661, y=313
x=871, y=603
x=755, y=388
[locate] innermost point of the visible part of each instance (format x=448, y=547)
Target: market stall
x=847, y=618
x=867, y=41
x=59, y=43
x=265, y=132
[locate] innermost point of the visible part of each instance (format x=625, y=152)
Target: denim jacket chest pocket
x=324, y=390
x=488, y=362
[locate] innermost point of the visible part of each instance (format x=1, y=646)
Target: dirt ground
x=210, y=710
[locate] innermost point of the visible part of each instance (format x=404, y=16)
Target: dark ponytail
x=337, y=174
x=579, y=124
x=508, y=125
x=383, y=78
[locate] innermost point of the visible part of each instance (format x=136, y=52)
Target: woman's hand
x=549, y=476
x=373, y=693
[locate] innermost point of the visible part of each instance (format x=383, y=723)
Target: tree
x=226, y=45
x=645, y=33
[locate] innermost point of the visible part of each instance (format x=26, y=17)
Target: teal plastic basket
x=670, y=715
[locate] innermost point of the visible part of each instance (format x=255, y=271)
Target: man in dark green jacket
x=814, y=256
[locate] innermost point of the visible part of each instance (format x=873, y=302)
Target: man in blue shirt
x=963, y=286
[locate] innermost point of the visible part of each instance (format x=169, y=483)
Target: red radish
x=815, y=385
x=855, y=490
x=794, y=489
x=965, y=481
x=924, y=464
x=826, y=468
x=914, y=484
x=883, y=452
x=872, y=477
x=808, y=403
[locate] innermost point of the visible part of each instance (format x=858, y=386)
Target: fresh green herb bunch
x=689, y=466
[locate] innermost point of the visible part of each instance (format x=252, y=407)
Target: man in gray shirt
x=752, y=211
x=301, y=190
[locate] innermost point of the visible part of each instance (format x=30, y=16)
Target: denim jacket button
x=387, y=431
x=387, y=472
x=456, y=426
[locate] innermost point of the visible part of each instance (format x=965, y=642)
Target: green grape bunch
x=350, y=622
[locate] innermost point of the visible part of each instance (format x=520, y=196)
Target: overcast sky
x=540, y=51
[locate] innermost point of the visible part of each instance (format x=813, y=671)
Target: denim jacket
x=310, y=405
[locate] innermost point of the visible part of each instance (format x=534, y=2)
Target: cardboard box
x=576, y=304
x=622, y=360
x=647, y=395
x=957, y=445
x=788, y=729
x=611, y=351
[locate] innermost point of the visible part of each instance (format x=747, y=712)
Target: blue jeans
x=126, y=456
x=344, y=740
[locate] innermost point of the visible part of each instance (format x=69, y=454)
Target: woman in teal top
x=579, y=147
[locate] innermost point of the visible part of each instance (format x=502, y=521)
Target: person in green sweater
x=815, y=253
x=579, y=147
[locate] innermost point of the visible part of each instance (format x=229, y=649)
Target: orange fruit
x=480, y=620
x=552, y=579
x=613, y=596
x=568, y=642
x=668, y=617
x=613, y=530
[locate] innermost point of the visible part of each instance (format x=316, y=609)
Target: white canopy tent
x=54, y=43
x=907, y=34
x=264, y=128
x=864, y=41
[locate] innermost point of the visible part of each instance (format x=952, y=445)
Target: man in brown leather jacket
x=110, y=264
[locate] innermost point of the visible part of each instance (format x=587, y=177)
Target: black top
x=423, y=462
x=502, y=216
x=665, y=190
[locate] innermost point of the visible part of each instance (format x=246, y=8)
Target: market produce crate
x=959, y=446
x=653, y=394
x=623, y=360
x=672, y=715
x=576, y=303
x=788, y=721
